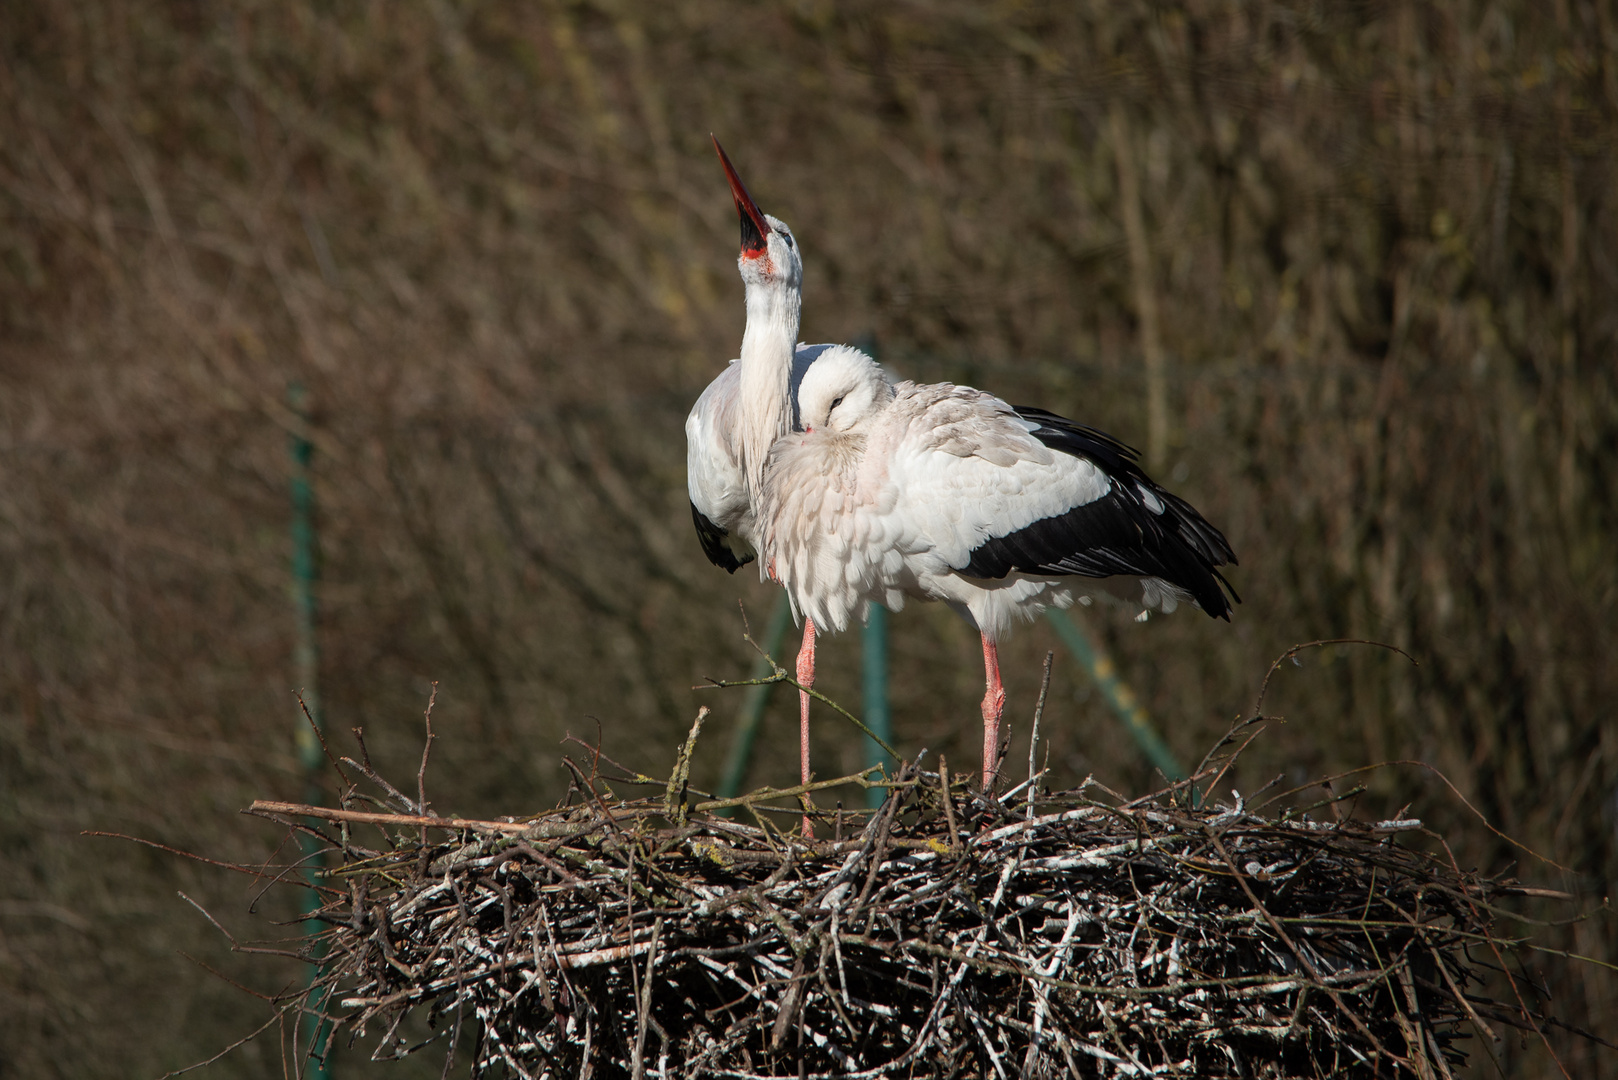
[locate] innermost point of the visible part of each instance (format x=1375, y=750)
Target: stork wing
x=713, y=474
x=1003, y=490
x=718, y=544
x=715, y=480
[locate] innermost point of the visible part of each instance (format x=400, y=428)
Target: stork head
x=769, y=254
x=842, y=389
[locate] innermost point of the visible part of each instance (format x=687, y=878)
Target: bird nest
x=948, y=933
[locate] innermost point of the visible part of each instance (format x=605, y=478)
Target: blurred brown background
x=1376, y=257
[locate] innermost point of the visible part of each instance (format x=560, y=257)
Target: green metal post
x=305, y=657
x=741, y=745
x=874, y=644
x=1125, y=704
x=306, y=662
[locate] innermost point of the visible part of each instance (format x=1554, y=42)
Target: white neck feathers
x=774, y=311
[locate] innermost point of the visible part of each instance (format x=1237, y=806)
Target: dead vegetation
x=947, y=934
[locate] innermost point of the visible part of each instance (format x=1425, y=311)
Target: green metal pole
x=306, y=662
x=741, y=745
x=305, y=657
x=1124, y=703
x=874, y=645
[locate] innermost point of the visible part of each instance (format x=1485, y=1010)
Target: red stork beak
x=754, y=227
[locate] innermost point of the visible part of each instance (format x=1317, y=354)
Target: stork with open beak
x=943, y=492
x=749, y=406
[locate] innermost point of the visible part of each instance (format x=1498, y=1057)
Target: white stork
x=943, y=492
x=749, y=406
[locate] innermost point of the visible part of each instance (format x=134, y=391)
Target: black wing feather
x=1116, y=534
x=713, y=538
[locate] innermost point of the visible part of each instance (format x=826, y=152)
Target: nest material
x=940, y=937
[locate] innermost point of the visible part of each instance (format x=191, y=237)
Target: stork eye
x=838, y=402
x=787, y=237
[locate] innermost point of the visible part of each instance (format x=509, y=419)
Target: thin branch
x=1258, y=705
x=781, y=676
x=1033, y=734
x=426, y=751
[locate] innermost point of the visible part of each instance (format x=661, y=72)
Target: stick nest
x=947, y=934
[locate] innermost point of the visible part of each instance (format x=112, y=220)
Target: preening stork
x=750, y=405
x=943, y=492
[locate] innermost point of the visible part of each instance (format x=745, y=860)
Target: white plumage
x=749, y=406
x=943, y=492
x=716, y=478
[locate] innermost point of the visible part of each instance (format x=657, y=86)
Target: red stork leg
x=806, y=678
x=994, y=705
